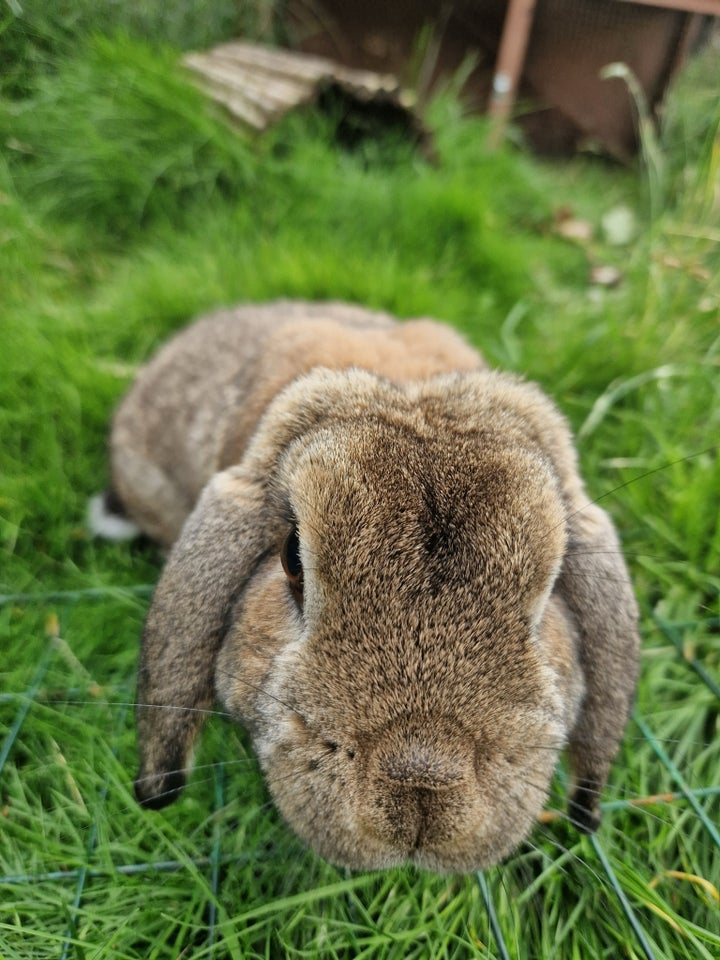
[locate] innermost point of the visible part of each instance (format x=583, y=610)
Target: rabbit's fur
x=454, y=612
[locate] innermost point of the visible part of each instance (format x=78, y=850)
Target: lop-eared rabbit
x=384, y=563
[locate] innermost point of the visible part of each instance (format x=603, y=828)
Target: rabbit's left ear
x=230, y=532
x=220, y=546
x=595, y=585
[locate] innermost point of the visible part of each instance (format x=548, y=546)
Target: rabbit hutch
x=542, y=63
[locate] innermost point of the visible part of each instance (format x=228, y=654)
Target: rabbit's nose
x=419, y=788
x=421, y=766
x=428, y=759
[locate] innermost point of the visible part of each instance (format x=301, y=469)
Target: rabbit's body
x=196, y=405
x=386, y=566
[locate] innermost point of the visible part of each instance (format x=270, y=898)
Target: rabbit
x=383, y=562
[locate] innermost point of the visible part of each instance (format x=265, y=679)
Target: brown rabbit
x=385, y=564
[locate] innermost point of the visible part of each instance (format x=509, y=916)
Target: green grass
x=127, y=206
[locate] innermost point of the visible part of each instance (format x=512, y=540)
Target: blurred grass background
x=128, y=205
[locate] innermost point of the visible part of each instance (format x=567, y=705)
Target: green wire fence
x=212, y=864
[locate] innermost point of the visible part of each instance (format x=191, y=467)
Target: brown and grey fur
x=466, y=611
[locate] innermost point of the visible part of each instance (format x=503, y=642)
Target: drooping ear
x=595, y=585
x=221, y=543
x=228, y=534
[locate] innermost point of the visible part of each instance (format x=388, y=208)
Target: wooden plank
x=710, y=8
x=257, y=84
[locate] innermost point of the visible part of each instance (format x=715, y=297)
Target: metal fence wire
x=19, y=705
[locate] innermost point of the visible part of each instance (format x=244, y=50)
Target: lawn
x=128, y=205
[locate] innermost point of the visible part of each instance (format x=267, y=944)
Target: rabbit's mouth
x=437, y=794
x=438, y=818
x=449, y=832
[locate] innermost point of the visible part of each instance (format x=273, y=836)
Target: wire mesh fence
x=95, y=865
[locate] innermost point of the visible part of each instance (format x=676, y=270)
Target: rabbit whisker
x=540, y=828
x=265, y=693
x=642, y=476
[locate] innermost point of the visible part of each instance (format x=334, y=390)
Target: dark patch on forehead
x=441, y=530
x=438, y=520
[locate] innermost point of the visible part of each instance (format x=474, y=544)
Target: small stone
x=619, y=226
x=605, y=276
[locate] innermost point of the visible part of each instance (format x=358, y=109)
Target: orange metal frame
x=513, y=46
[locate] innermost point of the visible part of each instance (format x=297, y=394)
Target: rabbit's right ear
x=222, y=542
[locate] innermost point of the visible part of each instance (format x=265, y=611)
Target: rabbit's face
x=405, y=670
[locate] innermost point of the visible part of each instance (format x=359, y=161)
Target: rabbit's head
x=374, y=591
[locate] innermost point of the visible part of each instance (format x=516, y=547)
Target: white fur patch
x=111, y=526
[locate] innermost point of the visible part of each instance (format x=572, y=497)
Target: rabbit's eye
x=292, y=564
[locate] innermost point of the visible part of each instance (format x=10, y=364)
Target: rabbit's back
x=195, y=405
